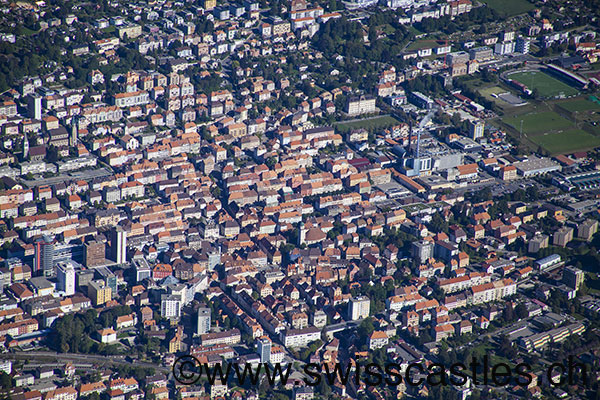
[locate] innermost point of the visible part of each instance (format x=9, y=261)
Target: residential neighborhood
x=293, y=183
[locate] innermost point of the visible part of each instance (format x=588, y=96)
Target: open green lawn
x=509, y=7
x=492, y=90
x=593, y=283
x=595, y=129
x=423, y=44
x=567, y=141
x=579, y=104
x=388, y=29
x=547, y=85
x=491, y=94
x=28, y=32
x=385, y=121
x=414, y=30
x=540, y=122
x=477, y=84
x=488, y=91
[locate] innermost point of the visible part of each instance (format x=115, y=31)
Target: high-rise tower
x=118, y=245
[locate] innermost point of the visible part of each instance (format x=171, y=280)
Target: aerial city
x=298, y=200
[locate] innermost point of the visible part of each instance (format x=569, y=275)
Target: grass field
x=489, y=91
x=492, y=90
x=595, y=129
x=578, y=104
x=547, y=86
x=382, y=122
x=414, y=30
x=540, y=122
x=509, y=7
x=566, y=141
x=423, y=44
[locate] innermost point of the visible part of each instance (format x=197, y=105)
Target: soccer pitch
x=537, y=123
x=548, y=86
x=578, y=105
x=566, y=141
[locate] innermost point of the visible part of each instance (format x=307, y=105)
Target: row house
x=493, y=291
x=53, y=102
x=64, y=393
x=105, y=45
x=300, y=337
x=257, y=126
x=123, y=157
x=101, y=114
x=220, y=96
x=461, y=283
x=9, y=108
x=16, y=196
x=149, y=44
x=87, y=389
x=19, y=327
x=230, y=337
x=397, y=303
x=137, y=98
x=125, y=384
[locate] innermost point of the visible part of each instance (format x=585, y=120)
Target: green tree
x=438, y=223
x=521, y=311
x=5, y=381
x=52, y=154
x=365, y=329
x=508, y=313
x=506, y=348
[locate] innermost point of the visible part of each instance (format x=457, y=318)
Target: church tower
x=25, y=146
x=74, y=132
x=301, y=233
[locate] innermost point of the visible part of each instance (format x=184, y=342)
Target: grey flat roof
x=534, y=164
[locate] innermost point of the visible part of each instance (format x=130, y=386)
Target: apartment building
x=361, y=105
x=300, y=337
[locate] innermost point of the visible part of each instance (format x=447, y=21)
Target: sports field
x=567, y=141
x=548, y=86
x=509, y=8
x=540, y=122
x=578, y=105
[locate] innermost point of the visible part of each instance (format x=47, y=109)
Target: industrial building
x=536, y=166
